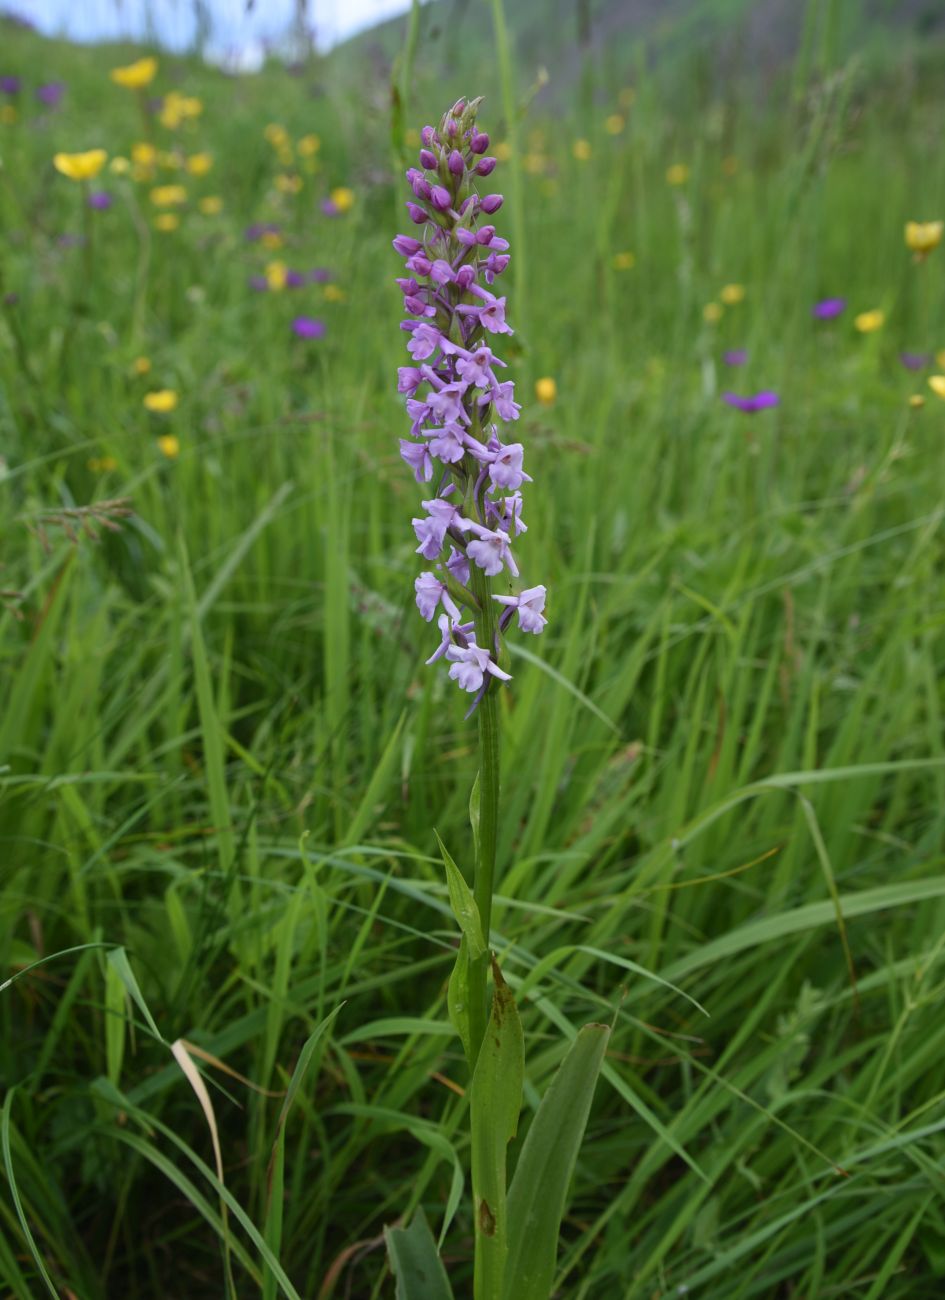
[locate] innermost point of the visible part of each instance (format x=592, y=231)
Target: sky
x=234, y=29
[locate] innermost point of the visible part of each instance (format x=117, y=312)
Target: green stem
x=484, y=882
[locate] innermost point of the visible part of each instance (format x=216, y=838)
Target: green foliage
x=415, y=1263
x=222, y=759
x=537, y=1196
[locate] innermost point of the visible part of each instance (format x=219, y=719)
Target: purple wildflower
x=457, y=404
x=330, y=208
x=469, y=666
x=308, y=327
x=100, y=200
x=735, y=357
x=51, y=93
x=259, y=283
x=294, y=279
x=915, y=360
x=259, y=228
x=829, y=308
x=321, y=275
x=758, y=402
x=9, y=85
x=529, y=605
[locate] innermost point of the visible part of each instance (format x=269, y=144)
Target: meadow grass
x=724, y=770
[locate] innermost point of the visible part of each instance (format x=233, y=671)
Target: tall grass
x=224, y=762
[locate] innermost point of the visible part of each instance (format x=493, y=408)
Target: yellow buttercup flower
x=276, y=274
x=614, y=124
x=277, y=135
x=161, y=400
x=167, y=221
x=8, y=114
x=343, y=198
x=412, y=138
x=916, y=401
x=581, y=150
x=503, y=151
x=732, y=294
x=143, y=153
x=170, y=445
x=678, y=174
x=119, y=166
x=199, y=164
x=102, y=464
x=923, y=236
x=940, y=358
x=135, y=76
x=310, y=144
x=288, y=184
x=141, y=365
x=546, y=390
x=81, y=166
x=211, y=206
x=178, y=108
x=168, y=196
x=937, y=385
x=712, y=313
x=624, y=261
x=272, y=239
x=869, y=321
x=534, y=163
x=332, y=293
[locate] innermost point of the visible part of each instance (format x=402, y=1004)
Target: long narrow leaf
x=495, y=1099
x=415, y=1262
x=539, y=1189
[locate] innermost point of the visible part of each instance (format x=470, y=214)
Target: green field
x=222, y=759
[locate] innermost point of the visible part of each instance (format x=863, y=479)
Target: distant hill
x=757, y=38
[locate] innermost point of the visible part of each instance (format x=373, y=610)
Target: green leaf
x=14, y=1191
x=495, y=1099
x=457, y=998
x=463, y=904
x=474, y=816
x=115, y=995
x=539, y=1189
x=415, y=1262
x=118, y=960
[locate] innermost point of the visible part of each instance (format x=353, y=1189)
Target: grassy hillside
x=222, y=759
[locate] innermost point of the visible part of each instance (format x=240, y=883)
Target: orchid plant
x=459, y=406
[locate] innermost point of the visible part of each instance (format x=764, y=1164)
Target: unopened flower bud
x=406, y=246
x=484, y=234
x=417, y=215
x=428, y=136
x=478, y=141
x=491, y=203
x=456, y=164
x=485, y=166
x=441, y=198
x=465, y=276
x=428, y=159
x=458, y=108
